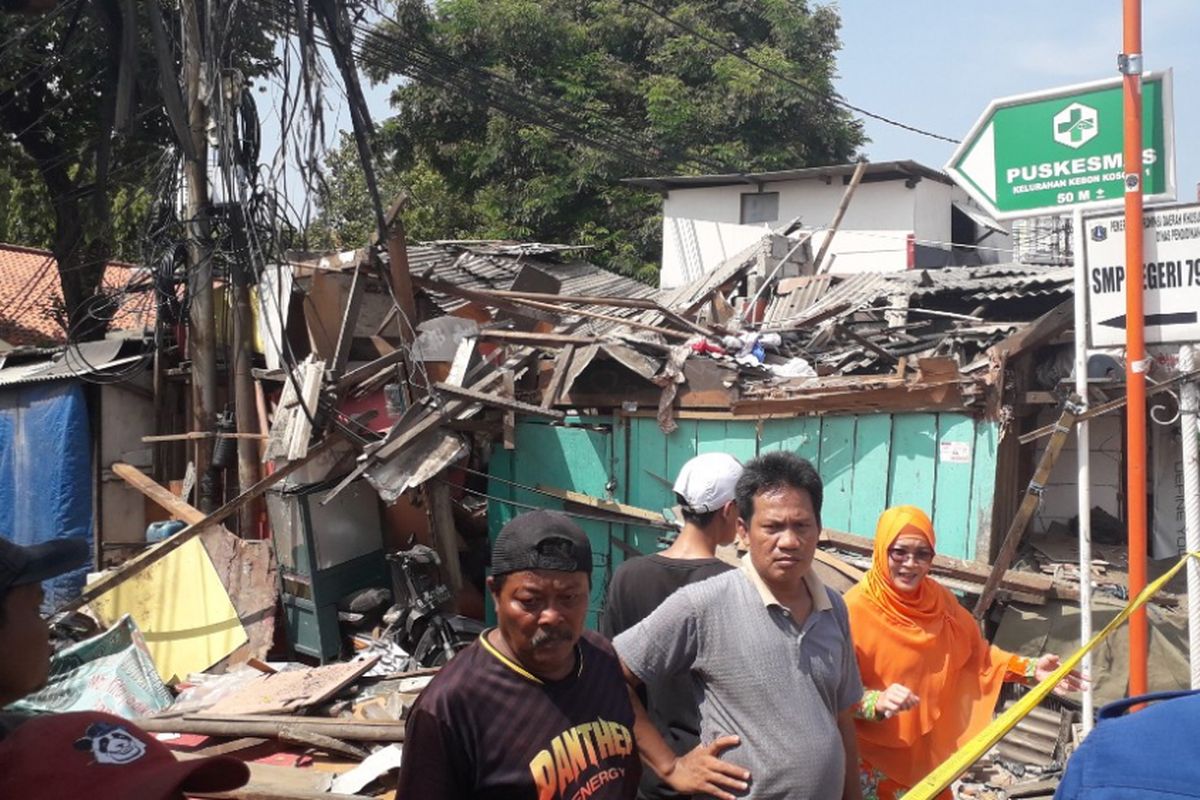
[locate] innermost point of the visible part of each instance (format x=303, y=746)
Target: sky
x=936, y=64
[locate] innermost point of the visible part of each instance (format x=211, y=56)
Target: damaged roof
x=876, y=171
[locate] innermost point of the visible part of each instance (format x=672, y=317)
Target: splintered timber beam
x=1072, y=409
x=1112, y=405
x=273, y=726
x=499, y=402
x=142, y=561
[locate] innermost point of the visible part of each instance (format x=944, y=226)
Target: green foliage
x=75, y=178
x=661, y=101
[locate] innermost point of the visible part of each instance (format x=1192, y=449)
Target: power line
x=834, y=98
x=422, y=60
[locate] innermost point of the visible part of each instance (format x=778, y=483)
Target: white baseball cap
x=707, y=481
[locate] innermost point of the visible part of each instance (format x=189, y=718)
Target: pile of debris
x=389, y=377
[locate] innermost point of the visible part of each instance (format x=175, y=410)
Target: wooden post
x=202, y=325
x=445, y=535
x=837, y=217
x=245, y=403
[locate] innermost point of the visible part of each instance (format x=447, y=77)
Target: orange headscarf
x=928, y=642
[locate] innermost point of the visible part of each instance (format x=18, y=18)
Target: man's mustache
x=545, y=636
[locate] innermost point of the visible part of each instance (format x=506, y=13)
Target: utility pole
x=201, y=323
x=245, y=406
x=1130, y=62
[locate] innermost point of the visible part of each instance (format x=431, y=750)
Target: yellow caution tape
x=949, y=770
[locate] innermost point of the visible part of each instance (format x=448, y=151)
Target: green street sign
x=1051, y=151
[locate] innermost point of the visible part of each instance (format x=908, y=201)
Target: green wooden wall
x=944, y=463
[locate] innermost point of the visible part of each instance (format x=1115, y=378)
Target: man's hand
x=894, y=699
x=1045, y=667
x=701, y=772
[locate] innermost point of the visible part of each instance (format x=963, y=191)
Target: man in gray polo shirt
x=767, y=649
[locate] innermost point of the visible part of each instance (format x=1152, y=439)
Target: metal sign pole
x=1083, y=485
x=1189, y=407
x=1135, y=344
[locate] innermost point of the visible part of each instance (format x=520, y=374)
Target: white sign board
x=1171, y=276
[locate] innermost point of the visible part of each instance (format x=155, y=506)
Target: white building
x=903, y=215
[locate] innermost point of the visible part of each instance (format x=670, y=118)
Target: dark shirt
x=485, y=728
x=637, y=588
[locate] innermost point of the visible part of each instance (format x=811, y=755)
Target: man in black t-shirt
x=704, y=491
x=537, y=707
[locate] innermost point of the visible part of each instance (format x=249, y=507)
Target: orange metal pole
x=1135, y=344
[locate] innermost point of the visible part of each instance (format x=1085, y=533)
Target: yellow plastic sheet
x=182, y=610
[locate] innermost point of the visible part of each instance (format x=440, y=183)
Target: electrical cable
x=834, y=98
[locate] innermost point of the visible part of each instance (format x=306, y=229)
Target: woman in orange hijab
x=932, y=681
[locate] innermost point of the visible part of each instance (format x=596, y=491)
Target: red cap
x=102, y=757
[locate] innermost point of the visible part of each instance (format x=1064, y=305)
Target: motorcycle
x=422, y=621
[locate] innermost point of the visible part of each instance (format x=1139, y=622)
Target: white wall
x=931, y=215
x=126, y=415
x=694, y=247
x=700, y=226
x=872, y=237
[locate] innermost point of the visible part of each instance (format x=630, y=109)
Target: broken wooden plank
x=341, y=350
x=269, y=726
x=600, y=504
x=540, y=340
x=1029, y=504
x=969, y=571
x=849, y=571
x=168, y=500
x=462, y=360
x=140, y=562
x=1112, y=405
x=281, y=692
x=445, y=535
x=1036, y=333
x=225, y=748
x=509, y=428
x=197, y=435
x=867, y=343
x=301, y=427
x=590, y=300
x=561, y=364
x=361, y=373
x=498, y=402
x=320, y=741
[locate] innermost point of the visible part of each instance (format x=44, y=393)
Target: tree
x=524, y=115
x=83, y=135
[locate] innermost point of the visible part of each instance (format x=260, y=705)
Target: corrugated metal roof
x=856, y=290
x=73, y=361
x=812, y=296
x=462, y=266
x=882, y=170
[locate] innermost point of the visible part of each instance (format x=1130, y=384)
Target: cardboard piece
x=182, y=610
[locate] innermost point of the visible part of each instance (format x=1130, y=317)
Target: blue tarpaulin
x=45, y=471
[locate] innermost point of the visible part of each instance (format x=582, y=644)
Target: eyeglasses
x=901, y=554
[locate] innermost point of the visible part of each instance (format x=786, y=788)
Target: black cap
x=21, y=564
x=541, y=540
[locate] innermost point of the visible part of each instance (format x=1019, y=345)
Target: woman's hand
x=894, y=699
x=1047, y=664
